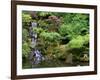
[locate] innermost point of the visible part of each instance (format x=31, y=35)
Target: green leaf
x=26, y=17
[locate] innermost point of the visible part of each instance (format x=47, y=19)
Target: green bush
x=79, y=41
x=26, y=41
x=26, y=17
x=25, y=49
x=50, y=36
x=25, y=34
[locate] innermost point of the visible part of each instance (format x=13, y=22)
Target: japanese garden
x=54, y=39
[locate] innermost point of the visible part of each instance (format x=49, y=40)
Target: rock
x=69, y=59
x=85, y=58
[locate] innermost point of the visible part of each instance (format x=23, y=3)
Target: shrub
x=79, y=41
x=50, y=36
x=25, y=49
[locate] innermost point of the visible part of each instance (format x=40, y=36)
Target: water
x=34, y=24
x=33, y=35
x=53, y=63
x=35, y=57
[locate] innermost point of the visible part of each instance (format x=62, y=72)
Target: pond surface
x=53, y=63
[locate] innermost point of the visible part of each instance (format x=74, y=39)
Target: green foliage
x=86, y=39
x=50, y=36
x=42, y=23
x=74, y=24
x=76, y=42
x=79, y=41
x=38, y=30
x=63, y=30
x=44, y=13
x=73, y=18
x=25, y=34
x=26, y=17
x=25, y=49
x=25, y=43
x=66, y=31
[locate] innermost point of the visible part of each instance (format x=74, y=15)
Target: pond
x=53, y=63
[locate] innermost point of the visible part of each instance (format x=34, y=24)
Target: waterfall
x=33, y=35
x=35, y=56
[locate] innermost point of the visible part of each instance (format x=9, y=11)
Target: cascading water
x=35, y=56
x=33, y=35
